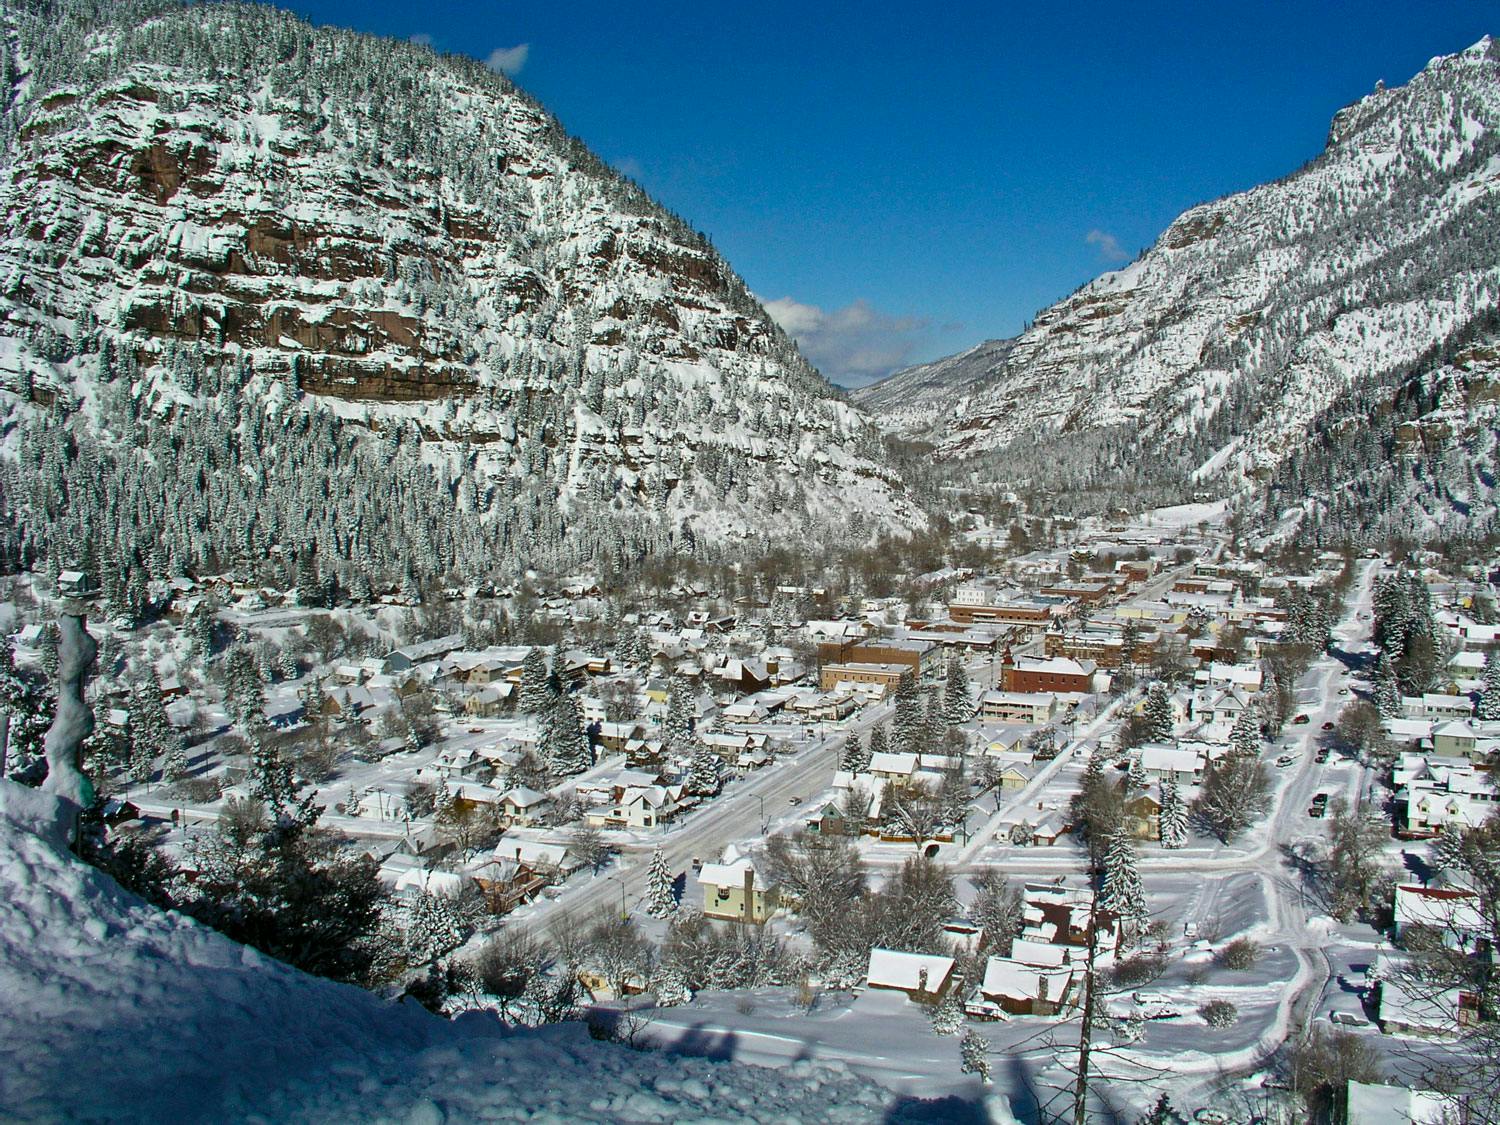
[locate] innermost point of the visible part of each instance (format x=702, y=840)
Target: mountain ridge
x=1217, y=351
x=220, y=210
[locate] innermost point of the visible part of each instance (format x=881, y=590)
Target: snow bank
x=112, y=1009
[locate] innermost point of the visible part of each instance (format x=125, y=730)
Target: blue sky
x=901, y=182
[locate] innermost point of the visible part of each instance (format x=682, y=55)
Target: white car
x=1286, y=760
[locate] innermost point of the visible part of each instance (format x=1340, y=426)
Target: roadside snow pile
x=113, y=1010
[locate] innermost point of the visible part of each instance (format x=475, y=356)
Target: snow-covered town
x=606, y=563
x=1218, y=806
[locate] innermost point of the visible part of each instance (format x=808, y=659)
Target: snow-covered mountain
x=919, y=400
x=1217, y=352
x=277, y=284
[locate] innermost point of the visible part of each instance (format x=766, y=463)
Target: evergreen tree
x=856, y=756
x=564, y=743
x=879, y=744
x=1161, y=1113
x=274, y=782
x=660, y=900
x=974, y=1052
x=153, y=736
x=1384, y=690
x=1489, y=695
x=1158, y=712
x=433, y=927
x=244, y=693
x=1174, y=823
x=1244, y=736
x=30, y=709
x=671, y=987
x=958, y=708
x=947, y=1015
x=1136, y=780
x=702, y=778
x=909, y=722
x=1121, y=892
x=678, y=726
x=535, y=694
x=1448, y=848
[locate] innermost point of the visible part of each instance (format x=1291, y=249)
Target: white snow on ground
x=113, y=1010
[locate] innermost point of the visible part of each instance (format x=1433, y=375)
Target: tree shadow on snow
x=703, y=1042
x=952, y=1110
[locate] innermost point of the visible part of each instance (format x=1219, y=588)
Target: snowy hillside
x=218, y=219
x=117, y=1011
x=921, y=399
x=1252, y=315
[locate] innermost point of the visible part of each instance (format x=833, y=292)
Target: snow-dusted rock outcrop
x=212, y=209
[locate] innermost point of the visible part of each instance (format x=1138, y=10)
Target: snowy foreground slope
x=1255, y=316
x=111, y=1009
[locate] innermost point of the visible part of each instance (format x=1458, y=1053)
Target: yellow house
x=730, y=893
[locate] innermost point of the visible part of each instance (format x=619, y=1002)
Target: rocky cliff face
x=1223, y=346
x=211, y=202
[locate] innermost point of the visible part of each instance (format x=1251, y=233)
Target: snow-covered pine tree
x=273, y=781
x=30, y=708
x=947, y=1016
x=1174, y=815
x=958, y=708
x=433, y=927
x=1136, y=780
x=678, y=726
x=879, y=744
x=565, y=746
x=1448, y=848
x=535, y=694
x=244, y=693
x=974, y=1055
x=1385, y=692
x=1161, y=719
x=703, y=778
x=907, y=728
x=1121, y=892
x=671, y=987
x=1244, y=736
x=1161, y=1113
x=660, y=900
x=1488, y=708
x=856, y=756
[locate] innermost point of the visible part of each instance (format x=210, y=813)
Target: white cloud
x=508, y=60
x=852, y=346
x=1109, y=246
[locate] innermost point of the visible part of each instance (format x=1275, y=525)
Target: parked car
x=1328, y=726
x=1319, y=807
x=1322, y=755
x=1300, y=720
x=1343, y=691
x=1286, y=760
x=794, y=800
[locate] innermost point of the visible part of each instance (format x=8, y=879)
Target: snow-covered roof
x=1007, y=978
x=890, y=968
x=1372, y=1104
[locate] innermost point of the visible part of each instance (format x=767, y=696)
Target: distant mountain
x=924, y=398
x=264, y=285
x=1229, y=349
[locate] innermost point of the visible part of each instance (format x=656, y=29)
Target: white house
x=1032, y=707
x=1184, y=766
